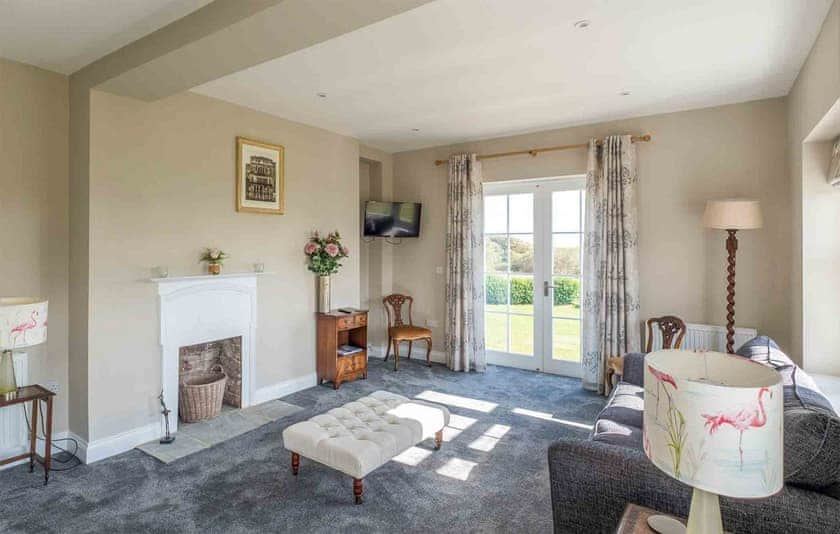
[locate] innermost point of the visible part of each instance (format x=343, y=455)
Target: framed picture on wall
x=259, y=177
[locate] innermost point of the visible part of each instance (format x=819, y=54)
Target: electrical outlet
x=431, y=323
x=53, y=386
x=438, y=270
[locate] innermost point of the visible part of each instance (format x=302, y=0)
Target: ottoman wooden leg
x=357, y=490
x=295, y=463
x=438, y=439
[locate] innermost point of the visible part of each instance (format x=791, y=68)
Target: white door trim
x=541, y=188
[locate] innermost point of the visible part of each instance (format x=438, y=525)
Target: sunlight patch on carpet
x=457, y=468
x=548, y=417
x=458, y=401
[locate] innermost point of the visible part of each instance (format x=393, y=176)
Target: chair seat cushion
x=409, y=332
x=364, y=434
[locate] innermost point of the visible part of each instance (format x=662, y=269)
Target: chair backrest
x=393, y=308
x=669, y=326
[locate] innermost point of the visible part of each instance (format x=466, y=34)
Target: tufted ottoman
x=364, y=434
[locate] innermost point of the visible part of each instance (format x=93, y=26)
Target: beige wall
x=379, y=268
x=820, y=258
x=164, y=63
x=364, y=246
x=162, y=187
x=736, y=150
x=816, y=208
x=34, y=129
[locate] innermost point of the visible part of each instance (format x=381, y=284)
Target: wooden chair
x=399, y=331
x=669, y=326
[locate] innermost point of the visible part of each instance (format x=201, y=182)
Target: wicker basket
x=201, y=397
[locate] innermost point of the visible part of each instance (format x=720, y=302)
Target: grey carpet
x=245, y=484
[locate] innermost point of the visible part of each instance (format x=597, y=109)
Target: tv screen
x=391, y=219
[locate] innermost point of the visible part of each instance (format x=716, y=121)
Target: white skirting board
x=90, y=452
x=286, y=387
x=125, y=441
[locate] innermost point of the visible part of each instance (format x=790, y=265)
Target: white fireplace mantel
x=202, y=309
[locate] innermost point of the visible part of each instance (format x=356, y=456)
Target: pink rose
x=332, y=249
x=345, y=251
x=310, y=248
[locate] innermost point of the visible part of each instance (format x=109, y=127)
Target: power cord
x=73, y=458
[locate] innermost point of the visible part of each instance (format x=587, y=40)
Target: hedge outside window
x=567, y=290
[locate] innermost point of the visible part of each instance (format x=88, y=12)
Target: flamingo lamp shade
x=23, y=323
x=714, y=422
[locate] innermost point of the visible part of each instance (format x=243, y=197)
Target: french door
x=533, y=239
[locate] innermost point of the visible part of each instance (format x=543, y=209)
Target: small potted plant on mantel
x=324, y=254
x=214, y=259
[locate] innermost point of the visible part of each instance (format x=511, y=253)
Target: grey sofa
x=592, y=480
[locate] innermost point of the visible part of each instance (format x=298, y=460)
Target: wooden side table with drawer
x=335, y=329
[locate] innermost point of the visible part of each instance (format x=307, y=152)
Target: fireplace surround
x=200, y=310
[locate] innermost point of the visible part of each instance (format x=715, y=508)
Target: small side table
x=33, y=394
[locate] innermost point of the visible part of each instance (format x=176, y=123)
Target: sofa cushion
x=803, y=389
x=625, y=406
x=607, y=431
x=811, y=426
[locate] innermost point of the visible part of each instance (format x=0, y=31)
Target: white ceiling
x=65, y=35
x=471, y=69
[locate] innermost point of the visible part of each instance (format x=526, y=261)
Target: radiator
x=705, y=337
x=13, y=429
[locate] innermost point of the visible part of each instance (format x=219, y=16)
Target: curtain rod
x=534, y=151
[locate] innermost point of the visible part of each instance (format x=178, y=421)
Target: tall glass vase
x=7, y=372
x=323, y=293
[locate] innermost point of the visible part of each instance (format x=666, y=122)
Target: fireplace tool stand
x=168, y=438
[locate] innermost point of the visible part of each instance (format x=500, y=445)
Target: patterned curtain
x=610, y=293
x=465, y=266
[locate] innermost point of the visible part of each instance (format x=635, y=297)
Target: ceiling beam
x=227, y=36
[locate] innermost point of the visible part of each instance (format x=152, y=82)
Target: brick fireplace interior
x=199, y=359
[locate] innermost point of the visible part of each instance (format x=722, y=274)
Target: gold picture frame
x=260, y=181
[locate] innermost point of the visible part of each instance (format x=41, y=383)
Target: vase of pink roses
x=324, y=255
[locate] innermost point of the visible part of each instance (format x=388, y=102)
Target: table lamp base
x=704, y=517
x=664, y=524
x=8, y=383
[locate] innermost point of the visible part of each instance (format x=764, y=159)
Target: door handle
x=546, y=287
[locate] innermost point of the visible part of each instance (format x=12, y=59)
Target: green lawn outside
x=565, y=335
x=564, y=310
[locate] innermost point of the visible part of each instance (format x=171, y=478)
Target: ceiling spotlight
x=322, y=95
x=581, y=24
x=415, y=129
x=625, y=93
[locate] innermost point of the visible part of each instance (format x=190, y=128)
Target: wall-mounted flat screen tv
x=391, y=219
